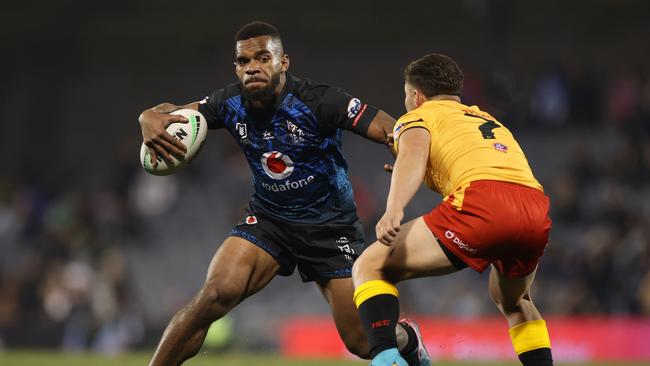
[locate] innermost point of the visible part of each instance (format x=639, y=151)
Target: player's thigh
x=339, y=293
x=240, y=269
x=414, y=253
x=508, y=291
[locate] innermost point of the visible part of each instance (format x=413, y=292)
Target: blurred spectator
x=550, y=99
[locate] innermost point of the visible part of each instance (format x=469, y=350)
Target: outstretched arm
x=408, y=172
x=153, y=123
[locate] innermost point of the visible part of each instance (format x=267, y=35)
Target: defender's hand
x=388, y=226
x=155, y=136
x=388, y=167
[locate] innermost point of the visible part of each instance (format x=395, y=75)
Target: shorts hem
x=453, y=249
x=262, y=245
x=332, y=275
x=265, y=247
x=341, y=273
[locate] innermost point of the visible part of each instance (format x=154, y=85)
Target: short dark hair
x=257, y=29
x=435, y=74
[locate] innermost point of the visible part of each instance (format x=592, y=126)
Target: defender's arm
x=408, y=172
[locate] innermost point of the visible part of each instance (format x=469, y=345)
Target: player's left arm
x=408, y=172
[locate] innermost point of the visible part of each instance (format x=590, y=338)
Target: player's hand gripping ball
x=191, y=134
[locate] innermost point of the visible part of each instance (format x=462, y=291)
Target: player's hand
x=156, y=137
x=390, y=140
x=388, y=226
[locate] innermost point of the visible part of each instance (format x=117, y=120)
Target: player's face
x=410, y=97
x=259, y=64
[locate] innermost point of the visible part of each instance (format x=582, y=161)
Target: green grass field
x=35, y=358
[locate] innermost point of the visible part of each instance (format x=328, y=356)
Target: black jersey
x=294, y=147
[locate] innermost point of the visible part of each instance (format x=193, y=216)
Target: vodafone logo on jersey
x=277, y=165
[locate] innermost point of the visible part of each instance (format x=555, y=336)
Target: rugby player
x=494, y=213
x=302, y=213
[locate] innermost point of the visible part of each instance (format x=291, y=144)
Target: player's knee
x=363, y=266
x=358, y=267
x=509, y=306
x=217, y=298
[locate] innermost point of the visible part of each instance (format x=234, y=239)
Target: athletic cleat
x=420, y=356
x=389, y=357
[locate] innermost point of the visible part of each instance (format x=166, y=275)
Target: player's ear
x=419, y=98
x=285, y=62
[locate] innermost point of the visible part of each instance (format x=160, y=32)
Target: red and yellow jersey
x=467, y=145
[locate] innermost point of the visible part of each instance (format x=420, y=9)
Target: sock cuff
x=373, y=288
x=529, y=336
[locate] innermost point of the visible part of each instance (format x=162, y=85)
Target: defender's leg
x=527, y=328
x=414, y=253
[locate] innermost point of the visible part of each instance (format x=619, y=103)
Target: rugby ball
x=191, y=134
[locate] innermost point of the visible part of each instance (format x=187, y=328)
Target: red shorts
x=502, y=223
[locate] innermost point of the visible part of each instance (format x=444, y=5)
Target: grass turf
x=42, y=358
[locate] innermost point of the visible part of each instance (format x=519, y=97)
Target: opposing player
x=494, y=212
x=302, y=212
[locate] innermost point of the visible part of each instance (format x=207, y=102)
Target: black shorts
x=322, y=251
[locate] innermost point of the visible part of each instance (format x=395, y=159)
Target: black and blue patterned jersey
x=294, y=147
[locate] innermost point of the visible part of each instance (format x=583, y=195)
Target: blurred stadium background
x=95, y=255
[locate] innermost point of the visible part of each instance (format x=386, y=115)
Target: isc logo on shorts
x=456, y=240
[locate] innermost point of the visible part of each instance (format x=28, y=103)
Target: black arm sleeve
x=338, y=109
x=211, y=108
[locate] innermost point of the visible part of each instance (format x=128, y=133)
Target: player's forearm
x=167, y=108
x=407, y=177
x=381, y=128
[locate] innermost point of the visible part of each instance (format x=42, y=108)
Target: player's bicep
x=415, y=142
x=341, y=110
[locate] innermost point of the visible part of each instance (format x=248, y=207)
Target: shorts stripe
x=244, y=235
x=340, y=273
x=456, y=199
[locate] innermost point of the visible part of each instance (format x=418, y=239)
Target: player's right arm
x=153, y=124
x=408, y=173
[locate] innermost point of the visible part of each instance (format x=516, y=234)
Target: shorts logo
x=342, y=240
x=241, y=130
x=250, y=220
x=354, y=107
x=343, y=245
x=277, y=165
x=456, y=240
